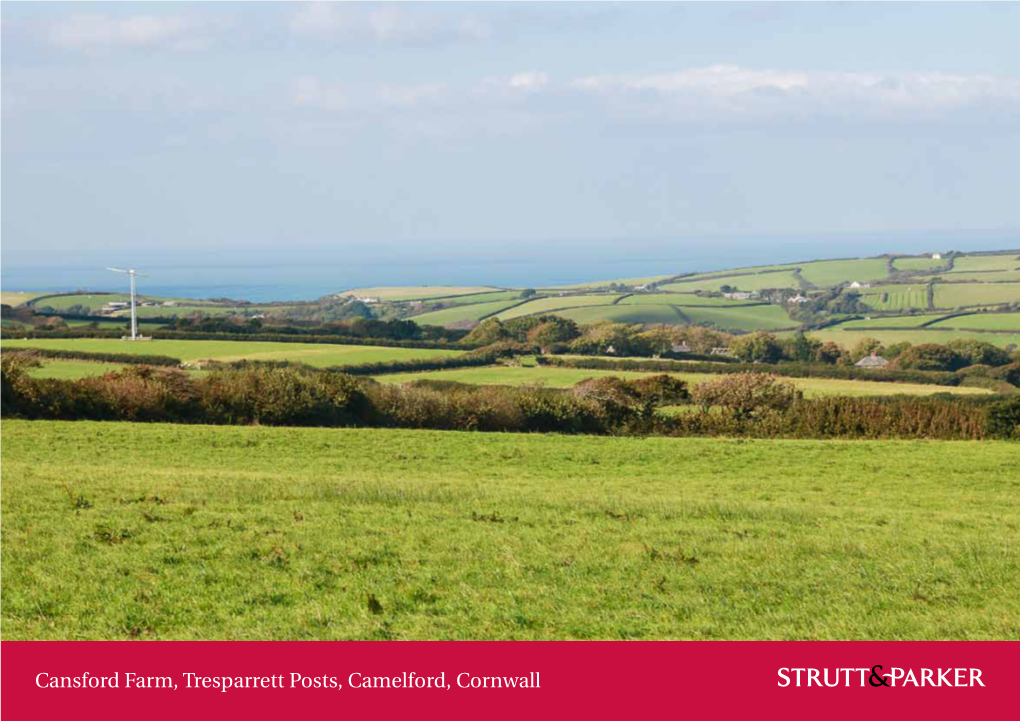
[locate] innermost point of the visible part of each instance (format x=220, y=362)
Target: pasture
x=418, y=292
x=747, y=282
x=962, y=295
x=623, y=314
x=926, y=264
x=849, y=338
x=554, y=303
x=552, y=377
x=72, y=370
x=15, y=298
x=315, y=354
x=755, y=317
x=150, y=531
x=1004, y=261
x=458, y=313
x=682, y=300
x=983, y=321
x=896, y=297
x=825, y=273
x=897, y=321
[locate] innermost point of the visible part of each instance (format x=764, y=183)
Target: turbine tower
x=132, y=274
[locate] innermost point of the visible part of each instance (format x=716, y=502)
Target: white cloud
x=737, y=90
x=529, y=81
x=95, y=31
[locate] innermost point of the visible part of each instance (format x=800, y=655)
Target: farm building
x=872, y=361
x=680, y=348
x=857, y=284
x=936, y=256
x=797, y=299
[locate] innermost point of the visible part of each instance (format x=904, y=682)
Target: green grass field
x=552, y=377
x=553, y=303
x=848, y=338
x=473, y=311
x=961, y=295
x=926, y=264
x=757, y=317
x=619, y=281
x=826, y=273
x=15, y=298
x=983, y=321
x=72, y=369
x=622, y=314
x=681, y=299
x=316, y=354
x=896, y=297
x=121, y=531
x=755, y=281
x=902, y=321
x=418, y=292
x=474, y=298
x=1007, y=261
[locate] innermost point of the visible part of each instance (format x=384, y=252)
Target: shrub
x=757, y=348
x=930, y=357
x=1004, y=419
x=746, y=395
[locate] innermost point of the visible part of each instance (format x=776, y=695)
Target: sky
x=316, y=134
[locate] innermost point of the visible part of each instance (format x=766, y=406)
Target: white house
x=858, y=284
x=936, y=256
x=872, y=361
x=797, y=299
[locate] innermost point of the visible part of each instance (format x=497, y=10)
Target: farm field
x=622, y=314
x=72, y=370
x=960, y=295
x=605, y=283
x=475, y=298
x=419, y=292
x=302, y=533
x=15, y=298
x=902, y=321
x=757, y=317
x=1005, y=261
x=825, y=273
x=461, y=312
x=546, y=305
x=896, y=297
x=927, y=264
x=749, y=282
x=551, y=377
x=315, y=354
x=848, y=338
x=983, y=321
x=681, y=299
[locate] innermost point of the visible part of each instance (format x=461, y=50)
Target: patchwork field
x=926, y=264
x=316, y=354
x=826, y=273
x=962, y=295
x=279, y=533
x=472, y=311
x=554, y=303
x=902, y=321
x=619, y=281
x=15, y=298
x=623, y=314
x=420, y=292
x=551, y=377
x=896, y=297
x=749, y=282
x=757, y=317
x=1006, y=261
x=681, y=299
x=848, y=338
x=983, y=321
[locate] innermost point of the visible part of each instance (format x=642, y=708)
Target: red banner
x=508, y=680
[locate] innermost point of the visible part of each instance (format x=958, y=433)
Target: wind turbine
x=132, y=274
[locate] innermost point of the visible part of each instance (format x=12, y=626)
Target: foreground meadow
x=115, y=530
x=315, y=354
x=552, y=377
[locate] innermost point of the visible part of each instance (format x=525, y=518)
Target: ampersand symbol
x=876, y=677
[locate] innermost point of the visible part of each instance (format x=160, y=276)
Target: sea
x=310, y=273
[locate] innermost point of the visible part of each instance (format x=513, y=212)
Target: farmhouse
x=872, y=361
x=857, y=284
x=680, y=348
x=936, y=256
x=113, y=304
x=797, y=299
x=740, y=295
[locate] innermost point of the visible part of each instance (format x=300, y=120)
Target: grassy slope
x=918, y=264
x=194, y=532
x=622, y=314
x=417, y=292
x=826, y=273
x=73, y=370
x=900, y=321
x=985, y=321
x=758, y=317
x=848, y=338
x=955, y=295
x=16, y=298
x=1007, y=261
x=896, y=297
x=461, y=312
x=551, y=377
x=544, y=305
x=751, y=282
x=316, y=354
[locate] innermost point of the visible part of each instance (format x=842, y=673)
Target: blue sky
x=177, y=132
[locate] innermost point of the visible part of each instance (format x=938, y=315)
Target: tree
x=977, y=352
x=930, y=357
x=528, y=293
x=830, y=353
x=746, y=394
x=865, y=347
x=758, y=347
x=552, y=331
x=801, y=349
x=486, y=333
